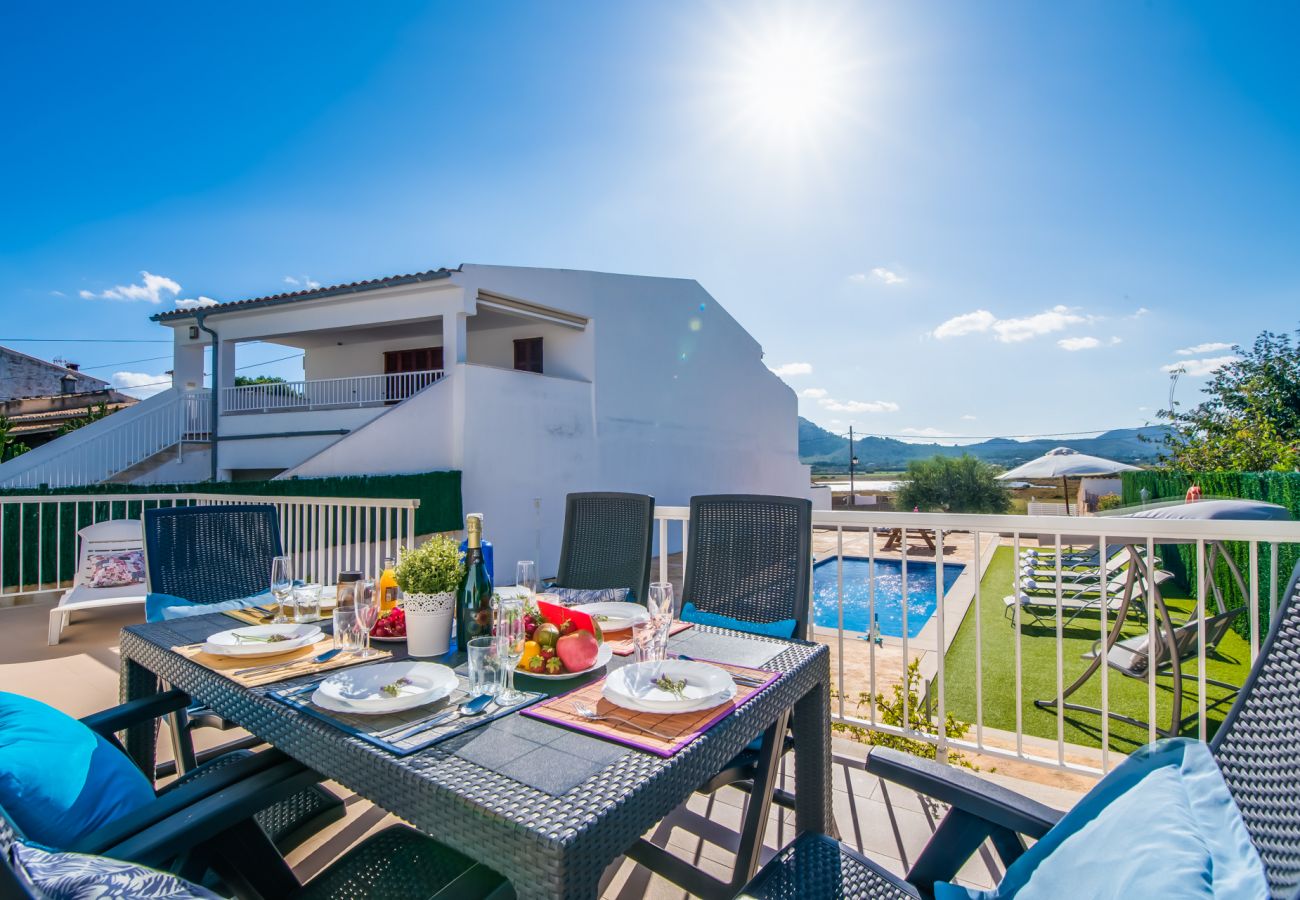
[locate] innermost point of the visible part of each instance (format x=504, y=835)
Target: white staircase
x=103, y=449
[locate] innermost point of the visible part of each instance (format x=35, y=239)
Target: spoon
x=270, y=667
x=467, y=710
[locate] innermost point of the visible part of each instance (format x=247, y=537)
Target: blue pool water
x=889, y=594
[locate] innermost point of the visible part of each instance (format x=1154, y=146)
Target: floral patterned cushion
x=117, y=569
x=579, y=596
x=75, y=876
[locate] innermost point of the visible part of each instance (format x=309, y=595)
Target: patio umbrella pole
x=1065, y=489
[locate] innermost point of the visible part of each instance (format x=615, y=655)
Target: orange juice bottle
x=388, y=592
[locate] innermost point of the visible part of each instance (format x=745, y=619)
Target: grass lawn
x=1038, y=670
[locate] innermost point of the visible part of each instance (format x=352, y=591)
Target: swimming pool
x=889, y=594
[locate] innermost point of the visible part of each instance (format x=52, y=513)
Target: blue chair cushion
x=161, y=607
x=58, y=779
x=54, y=875
x=782, y=628
x=1162, y=824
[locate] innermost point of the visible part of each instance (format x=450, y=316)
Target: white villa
x=531, y=382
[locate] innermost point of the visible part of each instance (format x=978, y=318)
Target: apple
x=577, y=650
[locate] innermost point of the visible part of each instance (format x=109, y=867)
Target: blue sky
x=952, y=219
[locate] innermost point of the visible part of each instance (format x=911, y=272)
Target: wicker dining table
x=547, y=807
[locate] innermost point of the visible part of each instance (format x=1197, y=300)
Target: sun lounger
x=113, y=536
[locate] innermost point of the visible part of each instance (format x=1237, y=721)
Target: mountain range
x=827, y=452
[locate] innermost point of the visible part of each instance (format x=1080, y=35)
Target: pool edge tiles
x=922, y=599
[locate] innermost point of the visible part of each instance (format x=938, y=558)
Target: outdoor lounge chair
x=1257, y=748
x=112, y=536
x=219, y=823
x=606, y=544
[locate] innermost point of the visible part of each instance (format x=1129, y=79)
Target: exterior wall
x=566, y=352
x=26, y=376
x=286, y=452
x=365, y=358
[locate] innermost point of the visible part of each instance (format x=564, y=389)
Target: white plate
x=228, y=643
x=617, y=616
x=602, y=657
x=360, y=688
x=389, y=640
x=633, y=686
x=324, y=702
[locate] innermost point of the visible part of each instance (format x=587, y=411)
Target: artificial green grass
x=1038, y=670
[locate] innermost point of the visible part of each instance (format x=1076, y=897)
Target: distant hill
x=829, y=453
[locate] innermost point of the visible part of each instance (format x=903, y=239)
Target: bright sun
x=788, y=83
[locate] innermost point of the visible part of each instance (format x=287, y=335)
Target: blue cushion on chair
x=782, y=628
x=1162, y=824
x=161, y=607
x=58, y=779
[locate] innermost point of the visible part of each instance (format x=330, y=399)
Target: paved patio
x=888, y=823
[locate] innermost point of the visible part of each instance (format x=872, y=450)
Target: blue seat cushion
x=1162, y=824
x=77, y=876
x=782, y=628
x=59, y=780
x=161, y=607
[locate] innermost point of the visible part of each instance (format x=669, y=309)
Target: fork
x=586, y=712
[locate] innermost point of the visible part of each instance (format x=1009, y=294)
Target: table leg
x=141, y=740
x=812, y=756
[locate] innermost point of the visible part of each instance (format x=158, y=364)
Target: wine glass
x=281, y=586
x=510, y=644
x=367, y=606
x=526, y=578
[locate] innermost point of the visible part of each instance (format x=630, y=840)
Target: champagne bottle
x=474, y=612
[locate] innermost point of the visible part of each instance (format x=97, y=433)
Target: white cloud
x=1140, y=312
x=968, y=323
x=1116, y=339
x=1208, y=347
x=1200, y=367
x=888, y=277
x=1078, y=343
x=969, y=418
x=858, y=406
x=307, y=284
x=195, y=304
x=57, y=294
x=813, y=393
x=928, y=431
x=796, y=368
x=151, y=289
x=1058, y=318
x=141, y=384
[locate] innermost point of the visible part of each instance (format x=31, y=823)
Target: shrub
x=961, y=485
x=435, y=567
x=1109, y=501
x=891, y=713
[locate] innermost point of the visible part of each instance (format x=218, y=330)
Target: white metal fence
x=326, y=393
x=323, y=535
x=115, y=444
x=862, y=664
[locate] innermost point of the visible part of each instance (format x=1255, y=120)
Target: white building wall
x=362, y=358
x=566, y=352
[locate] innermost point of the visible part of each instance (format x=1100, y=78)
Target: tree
x=10, y=446
x=1250, y=419
x=963, y=484
x=245, y=380
x=93, y=414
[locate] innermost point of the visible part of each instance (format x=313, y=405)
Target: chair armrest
x=118, y=718
x=992, y=803
x=179, y=800
x=209, y=817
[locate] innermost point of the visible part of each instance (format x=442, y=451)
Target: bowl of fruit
x=391, y=626
x=562, y=643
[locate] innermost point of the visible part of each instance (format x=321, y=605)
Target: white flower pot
x=428, y=623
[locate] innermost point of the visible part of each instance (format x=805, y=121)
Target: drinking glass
x=281, y=586
x=482, y=653
x=659, y=602
x=306, y=603
x=347, y=636
x=526, y=577
x=510, y=635
x=650, y=641
x=367, y=613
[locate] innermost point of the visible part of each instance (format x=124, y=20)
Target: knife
x=747, y=680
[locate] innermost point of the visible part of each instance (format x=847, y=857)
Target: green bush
x=961, y=485
x=437, y=566
x=1109, y=501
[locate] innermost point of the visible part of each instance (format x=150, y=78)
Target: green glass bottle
x=474, y=607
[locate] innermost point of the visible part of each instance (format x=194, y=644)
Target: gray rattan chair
x=606, y=544
x=1257, y=748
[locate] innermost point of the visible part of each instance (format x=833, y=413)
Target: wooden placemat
x=251, y=616
x=621, y=641
x=301, y=659
x=681, y=728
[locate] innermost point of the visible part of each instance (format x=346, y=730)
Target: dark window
x=528, y=355
x=400, y=363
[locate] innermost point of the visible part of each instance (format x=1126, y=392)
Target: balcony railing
x=988, y=668
x=323, y=536
x=326, y=393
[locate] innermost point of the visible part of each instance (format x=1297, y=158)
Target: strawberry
x=536, y=664
x=547, y=653
x=554, y=666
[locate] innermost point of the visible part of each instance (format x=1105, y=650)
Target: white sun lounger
x=115, y=535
